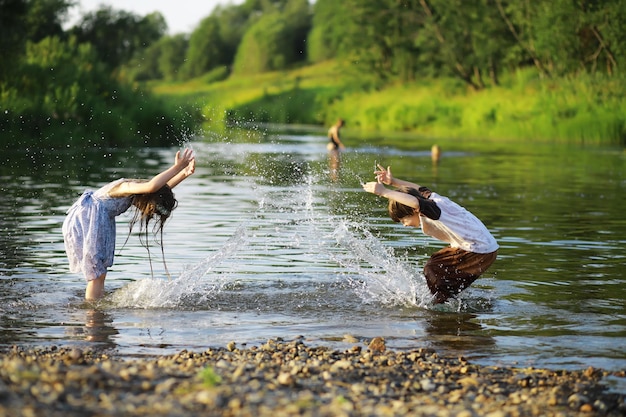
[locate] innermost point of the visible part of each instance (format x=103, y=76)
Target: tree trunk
x=458, y=67
x=513, y=31
x=493, y=72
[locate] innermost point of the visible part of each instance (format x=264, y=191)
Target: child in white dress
x=89, y=228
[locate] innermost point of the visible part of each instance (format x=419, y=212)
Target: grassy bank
x=586, y=109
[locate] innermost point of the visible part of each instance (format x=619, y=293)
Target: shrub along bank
x=524, y=106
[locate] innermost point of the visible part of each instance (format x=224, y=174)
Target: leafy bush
x=64, y=95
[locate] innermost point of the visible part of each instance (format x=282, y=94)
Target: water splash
x=188, y=290
x=291, y=226
x=374, y=270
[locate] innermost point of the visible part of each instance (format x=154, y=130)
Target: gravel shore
x=290, y=378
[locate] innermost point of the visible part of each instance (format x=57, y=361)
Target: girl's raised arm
x=184, y=166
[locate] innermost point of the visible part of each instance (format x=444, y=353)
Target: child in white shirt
x=472, y=247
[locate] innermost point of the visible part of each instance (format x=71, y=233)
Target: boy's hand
x=383, y=176
x=374, y=188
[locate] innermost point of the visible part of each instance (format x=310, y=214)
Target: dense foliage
x=60, y=87
x=393, y=40
x=85, y=80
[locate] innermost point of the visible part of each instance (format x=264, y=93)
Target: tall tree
x=117, y=34
x=464, y=38
x=13, y=30
x=27, y=20
x=519, y=18
x=206, y=49
x=605, y=37
x=276, y=40
x=328, y=33
x=234, y=20
x=46, y=17
x=173, y=51
x=381, y=37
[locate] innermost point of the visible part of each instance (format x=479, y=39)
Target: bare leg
x=95, y=288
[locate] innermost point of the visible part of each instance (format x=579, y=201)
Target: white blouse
x=458, y=227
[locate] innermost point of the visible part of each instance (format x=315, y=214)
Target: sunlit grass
x=587, y=108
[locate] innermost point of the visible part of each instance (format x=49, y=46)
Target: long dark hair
x=157, y=206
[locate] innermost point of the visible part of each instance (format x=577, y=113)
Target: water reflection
x=97, y=329
x=334, y=164
x=457, y=332
x=264, y=223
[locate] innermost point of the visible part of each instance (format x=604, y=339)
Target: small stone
x=341, y=365
x=377, y=345
x=285, y=378
x=75, y=354
x=576, y=400
x=468, y=381
x=427, y=385
x=600, y=406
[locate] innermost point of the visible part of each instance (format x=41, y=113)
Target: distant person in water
x=472, y=248
x=435, y=154
x=335, y=146
x=89, y=228
x=334, y=140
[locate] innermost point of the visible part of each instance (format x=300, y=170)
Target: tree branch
x=517, y=37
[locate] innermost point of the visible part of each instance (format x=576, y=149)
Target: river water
x=271, y=241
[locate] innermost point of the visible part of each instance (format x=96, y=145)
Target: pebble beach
x=291, y=378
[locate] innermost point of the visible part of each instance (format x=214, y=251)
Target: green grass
x=584, y=109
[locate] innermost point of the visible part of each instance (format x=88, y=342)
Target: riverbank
x=290, y=378
x=588, y=108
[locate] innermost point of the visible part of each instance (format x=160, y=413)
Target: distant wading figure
x=89, y=228
x=435, y=154
x=335, y=146
x=334, y=141
x=472, y=248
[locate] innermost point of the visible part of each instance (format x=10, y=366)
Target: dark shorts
x=451, y=270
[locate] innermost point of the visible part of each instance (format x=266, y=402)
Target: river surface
x=271, y=240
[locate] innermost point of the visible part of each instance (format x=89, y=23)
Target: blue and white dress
x=89, y=230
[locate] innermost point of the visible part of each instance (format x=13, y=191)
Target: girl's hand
x=374, y=188
x=191, y=167
x=185, y=158
x=383, y=176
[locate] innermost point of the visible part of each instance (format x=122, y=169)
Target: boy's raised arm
x=382, y=191
x=384, y=176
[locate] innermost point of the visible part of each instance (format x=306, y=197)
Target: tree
x=380, y=37
x=465, y=39
x=24, y=20
x=173, y=50
x=276, y=41
x=604, y=36
x=117, y=35
x=206, y=49
x=328, y=32
x=45, y=18
x=13, y=31
x=233, y=23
